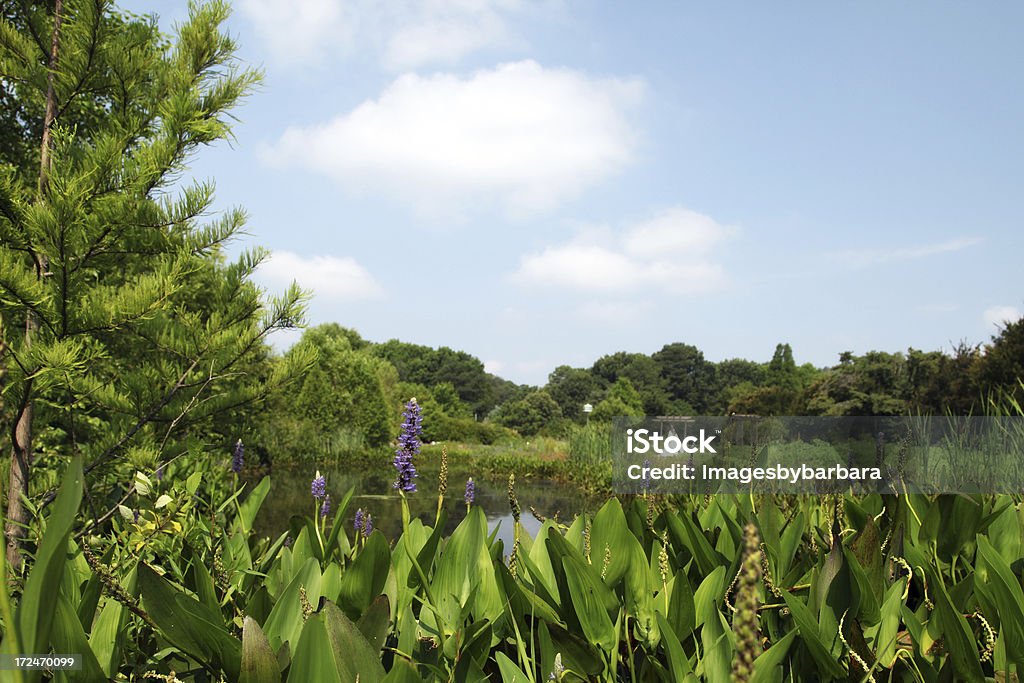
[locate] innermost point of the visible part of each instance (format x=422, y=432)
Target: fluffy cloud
x=520, y=134
x=402, y=34
x=999, y=316
x=329, y=277
x=298, y=31
x=671, y=253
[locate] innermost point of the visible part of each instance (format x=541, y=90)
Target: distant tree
x=939, y=384
x=746, y=399
x=782, y=371
x=503, y=391
x=448, y=398
x=429, y=367
x=687, y=375
x=343, y=390
x=1002, y=365
x=622, y=401
x=732, y=377
x=872, y=384
x=571, y=388
x=531, y=414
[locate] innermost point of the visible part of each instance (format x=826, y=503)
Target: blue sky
x=543, y=183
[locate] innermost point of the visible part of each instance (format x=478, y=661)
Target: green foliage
x=139, y=333
x=530, y=414
x=622, y=401
x=431, y=367
x=688, y=376
x=343, y=389
x=1001, y=367
x=571, y=389
x=641, y=590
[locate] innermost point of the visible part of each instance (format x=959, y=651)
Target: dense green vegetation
x=134, y=358
x=652, y=589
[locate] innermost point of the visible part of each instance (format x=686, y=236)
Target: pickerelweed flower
x=325, y=509
x=368, y=525
x=238, y=457
x=470, y=491
x=319, y=486
x=408, y=447
x=358, y=524
x=159, y=473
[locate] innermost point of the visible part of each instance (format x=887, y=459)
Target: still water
x=290, y=495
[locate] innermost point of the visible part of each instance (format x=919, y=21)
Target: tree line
x=360, y=386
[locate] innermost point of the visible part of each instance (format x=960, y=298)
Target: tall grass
x=590, y=456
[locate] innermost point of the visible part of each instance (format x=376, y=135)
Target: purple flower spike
x=160, y=473
x=238, y=457
x=408, y=447
x=325, y=509
x=470, y=491
x=368, y=526
x=359, y=520
x=319, y=486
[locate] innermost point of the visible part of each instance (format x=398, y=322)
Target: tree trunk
x=21, y=436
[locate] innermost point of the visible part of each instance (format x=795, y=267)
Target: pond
x=290, y=495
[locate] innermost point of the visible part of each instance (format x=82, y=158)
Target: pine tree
x=124, y=328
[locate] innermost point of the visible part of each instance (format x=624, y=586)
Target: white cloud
x=864, y=258
x=521, y=135
x=494, y=367
x=999, y=316
x=299, y=31
x=402, y=34
x=330, y=277
x=670, y=253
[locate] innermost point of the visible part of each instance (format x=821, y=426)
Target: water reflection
x=290, y=495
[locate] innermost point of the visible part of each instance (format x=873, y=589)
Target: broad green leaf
x=1007, y=596
x=590, y=598
x=188, y=623
x=364, y=580
x=828, y=667
x=682, y=612
x=375, y=622
x=259, y=663
x=510, y=673
x=889, y=623
x=707, y=597
x=956, y=633
x=358, y=660
x=67, y=636
x=768, y=665
x=313, y=658
x=456, y=575
x=37, y=607
x=678, y=663
x=106, y=636
x=402, y=672
x=250, y=507
x=284, y=624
